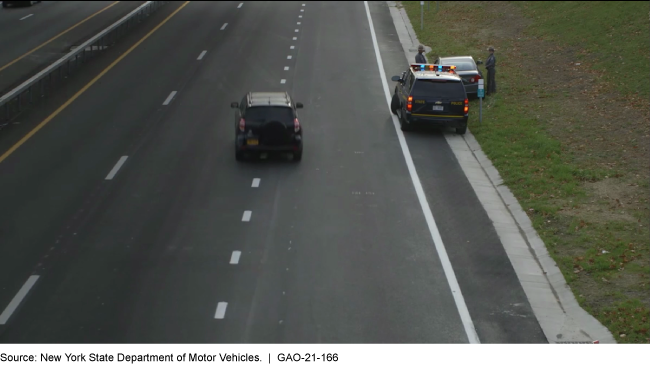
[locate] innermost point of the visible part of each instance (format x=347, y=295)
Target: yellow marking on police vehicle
x=419, y=101
x=457, y=103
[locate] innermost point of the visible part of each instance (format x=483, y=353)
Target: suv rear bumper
x=294, y=146
x=454, y=122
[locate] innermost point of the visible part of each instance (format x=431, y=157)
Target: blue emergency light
x=433, y=67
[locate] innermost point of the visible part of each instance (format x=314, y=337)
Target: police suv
x=430, y=94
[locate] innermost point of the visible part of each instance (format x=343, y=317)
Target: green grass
x=544, y=174
x=612, y=34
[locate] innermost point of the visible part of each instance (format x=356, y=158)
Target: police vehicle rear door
x=438, y=98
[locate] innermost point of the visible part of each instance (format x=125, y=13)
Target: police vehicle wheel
x=404, y=126
x=461, y=130
x=297, y=156
x=394, y=104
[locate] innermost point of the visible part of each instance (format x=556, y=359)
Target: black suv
x=267, y=122
x=430, y=94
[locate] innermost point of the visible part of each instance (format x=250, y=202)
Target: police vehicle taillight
x=466, y=106
x=242, y=125
x=409, y=104
x=296, y=125
x=475, y=79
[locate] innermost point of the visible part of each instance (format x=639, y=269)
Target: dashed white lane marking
x=13, y=305
x=465, y=317
x=234, y=258
x=286, y=68
x=299, y=16
x=221, y=310
x=256, y=182
x=240, y=5
x=283, y=81
x=289, y=57
x=303, y=4
x=296, y=31
x=247, y=216
x=298, y=23
x=26, y=16
x=292, y=47
x=116, y=168
x=224, y=26
x=201, y=55
x=295, y=38
x=169, y=98
x=302, y=9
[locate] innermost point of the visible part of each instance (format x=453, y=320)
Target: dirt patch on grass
x=611, y=200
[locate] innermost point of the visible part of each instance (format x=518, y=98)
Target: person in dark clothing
x=490, y=65
x=419, y=58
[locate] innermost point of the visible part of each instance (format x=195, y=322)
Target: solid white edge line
x=169, y=98
x=240, y=5
x=224, y=26
x=116, y=168
x=234, y=258
x=202, y=54
x=26, y=16
x=465, y=317
x=20, y=296
x=221, y=310
x=256, y=182
x=247, y=216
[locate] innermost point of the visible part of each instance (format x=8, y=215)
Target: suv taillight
x=242, y=125
x=409, y=104
x=466, y=106
x=296, y=125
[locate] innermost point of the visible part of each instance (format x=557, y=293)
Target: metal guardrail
x=44, y=83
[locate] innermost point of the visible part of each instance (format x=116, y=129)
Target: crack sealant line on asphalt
x=555, y=307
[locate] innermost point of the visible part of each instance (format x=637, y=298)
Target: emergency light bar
x=433, y=67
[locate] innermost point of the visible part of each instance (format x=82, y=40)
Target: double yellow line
x=93, y=81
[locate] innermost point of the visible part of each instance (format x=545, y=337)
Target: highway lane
x=336, y=249
x=33, y=37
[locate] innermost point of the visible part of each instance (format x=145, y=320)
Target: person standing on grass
x=490, y=65
x=419, y=58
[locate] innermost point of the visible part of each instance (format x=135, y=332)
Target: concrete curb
x=556, y=308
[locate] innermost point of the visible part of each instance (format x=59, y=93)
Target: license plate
x=438, y=108
x=252, y=142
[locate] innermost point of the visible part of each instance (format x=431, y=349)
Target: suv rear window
x=438, y=89
x=267, y=114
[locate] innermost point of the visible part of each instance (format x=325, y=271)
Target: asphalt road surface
x=33, y=37
x=127, y=219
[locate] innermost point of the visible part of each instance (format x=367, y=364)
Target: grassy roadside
x=569, y=135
